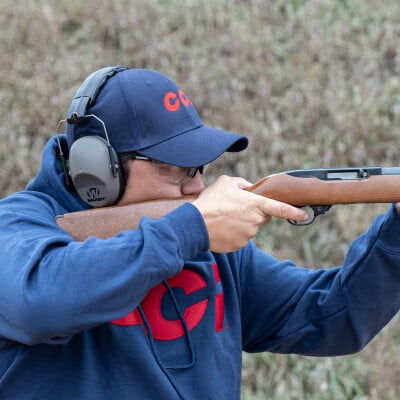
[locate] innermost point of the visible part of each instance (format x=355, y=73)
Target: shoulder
x=31, y=203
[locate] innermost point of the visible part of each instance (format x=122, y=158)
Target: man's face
x=148, y=181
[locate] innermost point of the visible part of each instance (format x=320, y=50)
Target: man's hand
x=233, y=216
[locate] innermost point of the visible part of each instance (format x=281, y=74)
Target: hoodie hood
x=50, y=179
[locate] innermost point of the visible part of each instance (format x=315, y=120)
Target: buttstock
x=107, y=222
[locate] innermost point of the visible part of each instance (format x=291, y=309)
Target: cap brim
x=196, y=147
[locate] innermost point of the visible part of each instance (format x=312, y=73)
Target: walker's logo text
x=173, y=101
x=166, y=329
x=93, y=194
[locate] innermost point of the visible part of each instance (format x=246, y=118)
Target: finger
x=282, y=210
x=267, y=219
x=236, y=181
x=242, y=183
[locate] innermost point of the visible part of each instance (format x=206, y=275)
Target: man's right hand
x=233, y=216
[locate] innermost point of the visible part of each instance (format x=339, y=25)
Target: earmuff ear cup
x=90, y=166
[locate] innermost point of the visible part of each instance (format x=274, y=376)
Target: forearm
x=62, y=287
x=371, y=285
x=335, y=311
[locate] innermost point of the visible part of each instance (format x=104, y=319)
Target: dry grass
x=312, y=83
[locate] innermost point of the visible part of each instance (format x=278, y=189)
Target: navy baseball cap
x=145, y=111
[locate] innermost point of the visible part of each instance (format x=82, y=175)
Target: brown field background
x=312, y=83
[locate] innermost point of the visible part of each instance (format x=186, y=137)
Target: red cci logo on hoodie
x=173, y=101
x=164, y=329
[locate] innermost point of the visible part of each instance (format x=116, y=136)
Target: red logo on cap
x=172, y=101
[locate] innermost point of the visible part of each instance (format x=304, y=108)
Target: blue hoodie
x=152, y=314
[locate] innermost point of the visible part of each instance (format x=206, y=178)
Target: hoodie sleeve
x=287, y=309
x=53, y=287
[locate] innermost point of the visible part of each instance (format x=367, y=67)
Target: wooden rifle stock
x=318, y=187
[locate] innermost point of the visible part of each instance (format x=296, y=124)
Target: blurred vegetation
x=313, y=83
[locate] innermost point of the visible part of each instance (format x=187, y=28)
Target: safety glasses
x=172, y=173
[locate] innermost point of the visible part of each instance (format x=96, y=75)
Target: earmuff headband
x=87, y=94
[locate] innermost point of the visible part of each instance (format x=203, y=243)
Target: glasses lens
x=191, y=172
x=176, y=175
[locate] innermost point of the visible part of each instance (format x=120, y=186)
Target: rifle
x=315, y=189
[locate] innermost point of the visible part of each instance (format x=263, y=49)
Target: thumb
x=242, y=183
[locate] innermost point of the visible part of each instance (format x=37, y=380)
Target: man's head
x=150, y=180
x=147, y=115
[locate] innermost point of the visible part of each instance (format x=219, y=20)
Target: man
x=164, y=311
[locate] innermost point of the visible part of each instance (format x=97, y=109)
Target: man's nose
x=194, y=186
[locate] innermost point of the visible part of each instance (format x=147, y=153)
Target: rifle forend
x=316, y=189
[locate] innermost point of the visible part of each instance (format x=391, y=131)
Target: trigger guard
x=311, y=217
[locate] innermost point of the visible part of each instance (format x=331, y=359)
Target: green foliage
x=313, y=83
